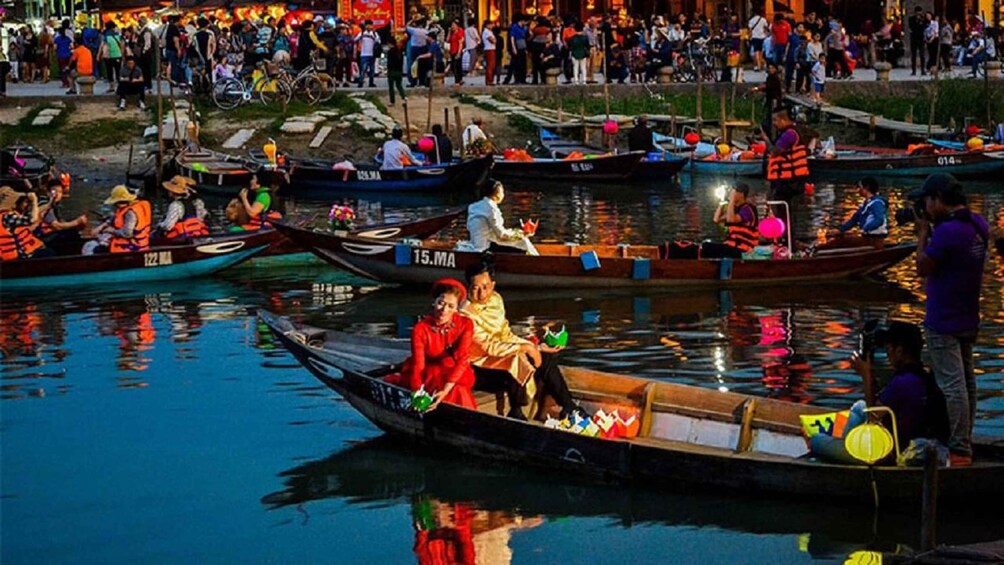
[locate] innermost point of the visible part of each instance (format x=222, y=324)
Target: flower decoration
x=340, y=217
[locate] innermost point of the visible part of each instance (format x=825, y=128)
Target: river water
x=163, y=424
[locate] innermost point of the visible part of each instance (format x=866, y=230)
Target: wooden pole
x=582, y=117
x=407, y=122
x=174, y=113
x=606, y=81
x=721, y=117
x=986, y=80
x=561, y=106
x=446, y=120
x=672, y=120
x=871, y=127
x=160, y=117
x=929, y=500
x=460, y=130
x=432, y=82
x=700, y=101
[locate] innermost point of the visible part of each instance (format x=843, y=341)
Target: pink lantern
x=692, y=138
x=610, y=127
x=771, y=228
x=426, y=144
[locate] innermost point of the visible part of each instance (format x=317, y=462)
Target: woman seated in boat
x=127, y=230
x=871, y=218
x=911, y=393
x=253, y=216
x=19, y=216
x=186, y=215
x=52, y=229
x=440, y=350
x=487, y=227
x=739, y=217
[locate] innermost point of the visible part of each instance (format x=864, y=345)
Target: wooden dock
x=873, y=121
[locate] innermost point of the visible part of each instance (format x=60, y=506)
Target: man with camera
x=951, y=252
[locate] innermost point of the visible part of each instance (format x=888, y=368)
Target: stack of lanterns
x=613, y=425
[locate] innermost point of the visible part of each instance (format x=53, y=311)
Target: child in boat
x=440, y=350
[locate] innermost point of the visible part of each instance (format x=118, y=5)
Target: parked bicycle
x=262, y=84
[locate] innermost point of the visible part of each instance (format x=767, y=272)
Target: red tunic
x=440, y=355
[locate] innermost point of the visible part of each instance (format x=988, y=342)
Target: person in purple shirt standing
x=951, y=252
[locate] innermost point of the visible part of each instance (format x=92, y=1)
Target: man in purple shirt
x=951, y=254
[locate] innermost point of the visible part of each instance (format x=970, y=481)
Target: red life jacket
x=261, y=220
x=791, y=164
x=140, y=239
x=21, y=243
x=189, y=225
x=743, y=236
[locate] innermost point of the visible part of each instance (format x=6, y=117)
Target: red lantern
x=810, y=189
x=771, y=228
x=692, y=138
x=426, y=145
x=759, y=148
x=610, y=127
x=972, y=130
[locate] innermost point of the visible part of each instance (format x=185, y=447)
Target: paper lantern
x=759, y=148
x=771, y=228
x=810, y=189
x=426, y=145
x=610, y=127
x=269, y=150
x=692, y=138
x=723, y=149
x=973, y=130
x=868, y=443
x=974, y=144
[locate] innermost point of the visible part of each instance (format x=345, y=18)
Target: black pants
x=802, y=82
x=146, y=65
x=131, y=89
x=715, y=250
x=537, y=70
x=917, y=50
x=836, y=57
x=548, y=378
x=517, y=68
x=458, y=69
x=4, y=69
x=932, y=55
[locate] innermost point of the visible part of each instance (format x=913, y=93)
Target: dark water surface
x=160, y=424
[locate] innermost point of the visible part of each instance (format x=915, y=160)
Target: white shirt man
x=486, y=226
x=367, y=40
x=472, y=133
x=487, y=39
x=395, y=152
x=759, y=28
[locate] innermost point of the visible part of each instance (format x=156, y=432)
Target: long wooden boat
x=222, y=173
x=565, y=266
x=315, y=175
x=688, y=435
x=657, y=165
x=714, y=167
x=20, y=162
x=200, y=257
x=962, y=164
x=603, y=168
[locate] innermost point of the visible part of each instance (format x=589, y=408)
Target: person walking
x=759, y=30
x=578, y=49
x=110, y=54
x=488, y=45
x=395, y=72
x=369, y=44
x=917, y=25
x=952, y=244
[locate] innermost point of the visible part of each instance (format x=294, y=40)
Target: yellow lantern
x=724, y=150
x=974, y=144
x=269, y=150
x=868, y=443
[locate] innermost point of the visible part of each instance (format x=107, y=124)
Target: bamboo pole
x=700, y=100
x=432, y=82
x=446, y=120
x=407, y=122
x=721, y=117
x=460, y=129
x=160, y=117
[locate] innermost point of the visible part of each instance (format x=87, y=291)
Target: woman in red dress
x=440, y=349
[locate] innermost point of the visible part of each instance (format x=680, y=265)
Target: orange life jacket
x=261, y=220
x=742, y=236
x=140, y=239
x=791, y=164
x=189, y=225
x=21, y=243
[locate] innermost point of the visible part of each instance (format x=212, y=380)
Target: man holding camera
x=951, y=252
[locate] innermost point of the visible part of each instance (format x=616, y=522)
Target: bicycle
x=696, y=59
x=230, y=93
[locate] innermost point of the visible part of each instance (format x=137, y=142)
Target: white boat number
x=581, y=167
x=368, y=175
x=434, y=258
x=949, y=160
x=393, y=398
x=157, y=259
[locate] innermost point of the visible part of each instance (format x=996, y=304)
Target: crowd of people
x=602, y=47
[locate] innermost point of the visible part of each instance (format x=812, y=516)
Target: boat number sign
x=368, y=175
x=157, y=259
x=431, y=258
x=582, y=167
x=392, y=397
x=946, y=160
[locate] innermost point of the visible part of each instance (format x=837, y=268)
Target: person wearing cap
x=19, y=215
x=259, y=212
x=871, y=217
x=52, y=229
x=911, y=392
x=440, y=361
x=396, y=153
x=952, y=244
x=128, y=229
x=186, y=216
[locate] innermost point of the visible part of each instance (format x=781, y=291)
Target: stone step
x=320, y=137
x=237, y=140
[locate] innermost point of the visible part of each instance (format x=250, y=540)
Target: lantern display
x=426, y=144
x=771, y=228
x=610, y=127
x=974, y=144
x=692, y=138
x=269, y=150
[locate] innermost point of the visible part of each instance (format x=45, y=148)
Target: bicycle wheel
x=327, y=86
x=308, y=88
x=274, y=90
x=228, y=93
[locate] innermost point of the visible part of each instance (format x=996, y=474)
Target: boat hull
x=403, y=264
x=458, y=177
x=170, y=262
x=961, y=165
x=726, y=168
x=599, y=169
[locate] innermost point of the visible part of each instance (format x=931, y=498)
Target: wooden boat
x=200, y=257
x=657, y=165
x=962, y=164
x=603, y=168
x=20, y=162
x=564, y=266
x=726, y=168
x=314, y=175
x=688, y=435
x=217, y=172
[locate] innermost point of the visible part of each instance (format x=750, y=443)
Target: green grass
x=61, y=136
x=958, y=99
x=522, y=124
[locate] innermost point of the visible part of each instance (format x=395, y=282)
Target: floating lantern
x=269, y=150
x=868, y=443
x=810, y=189
x=974, y=144
x=426, y=145
x=610, y=127
x=771, y=228
x=692, y=138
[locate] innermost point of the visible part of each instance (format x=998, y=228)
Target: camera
x=909, y=215
x=866, y=340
